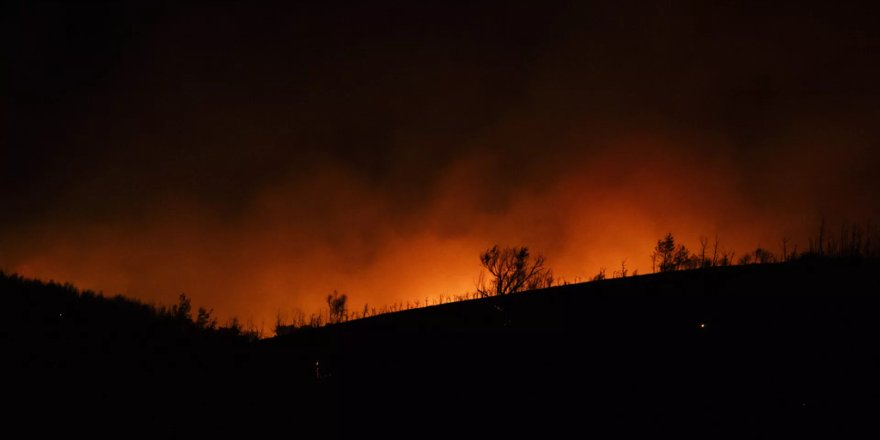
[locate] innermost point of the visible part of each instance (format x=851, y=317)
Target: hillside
x=782, y=347
x=89, y=363
x=785, y=346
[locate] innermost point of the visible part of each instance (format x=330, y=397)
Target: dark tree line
x=851, y=241
x=57, y=324
x=668, y=256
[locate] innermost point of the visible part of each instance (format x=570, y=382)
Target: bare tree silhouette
x=512, y=269
x=336, y=302
x=624, y=272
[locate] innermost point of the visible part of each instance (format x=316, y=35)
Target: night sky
x=256, y=157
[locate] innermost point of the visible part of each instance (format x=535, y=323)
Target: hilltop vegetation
x=56, y=324
x=89, y=363
x=511, y=270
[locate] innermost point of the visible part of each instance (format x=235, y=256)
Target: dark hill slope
x=52, y=326
x=787, y=347
x=749, y=349
x=76, y=363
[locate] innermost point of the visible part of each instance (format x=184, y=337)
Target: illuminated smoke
x=257, y=167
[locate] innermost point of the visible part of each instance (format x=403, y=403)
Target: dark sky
x=259, y=156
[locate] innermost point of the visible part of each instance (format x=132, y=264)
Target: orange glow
x=308, y=235
x=257, y=158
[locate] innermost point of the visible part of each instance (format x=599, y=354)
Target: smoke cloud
x=257, y=159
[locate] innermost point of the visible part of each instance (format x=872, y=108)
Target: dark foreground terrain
x=759, y=350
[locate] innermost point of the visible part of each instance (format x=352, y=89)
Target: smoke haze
x=257, y=158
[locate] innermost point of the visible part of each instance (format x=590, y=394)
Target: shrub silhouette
x=336, y=302
x=56, y=324
x=205, y=320
x=763, y=256
x=512, y=270
x=668, y=257
x=183, y=309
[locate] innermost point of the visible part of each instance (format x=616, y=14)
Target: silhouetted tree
x=715, y=261
x=183, y=309
x=336, y=302
x=704, y=260
x=204, y=319
x=668, y=256
x=233, y=326
x=763, y=256
x=693, y=261
x=512, y=270
x=623, y=270
x=663, y=253
x=726, y=258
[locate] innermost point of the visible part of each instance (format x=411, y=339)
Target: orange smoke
x=308, y=235
x=257, y=158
